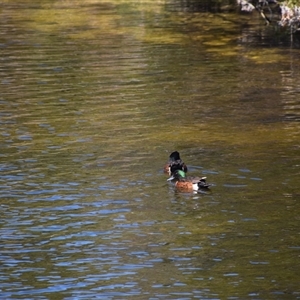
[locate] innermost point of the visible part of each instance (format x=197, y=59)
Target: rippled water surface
x=94, y=96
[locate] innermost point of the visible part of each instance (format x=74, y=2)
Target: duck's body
x=174, y=163
x=188, y=183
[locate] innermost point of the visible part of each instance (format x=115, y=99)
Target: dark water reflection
x=93, y=99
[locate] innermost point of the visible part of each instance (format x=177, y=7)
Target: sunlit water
x=93, y=99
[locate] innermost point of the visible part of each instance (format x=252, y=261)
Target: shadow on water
x=94, y=97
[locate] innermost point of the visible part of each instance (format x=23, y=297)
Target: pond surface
x=94, y=97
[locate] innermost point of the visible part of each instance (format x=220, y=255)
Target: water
x=93, y=98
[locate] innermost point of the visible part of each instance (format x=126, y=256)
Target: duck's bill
x=171, y=178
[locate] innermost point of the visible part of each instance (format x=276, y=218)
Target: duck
x=174, y=163
x=188, y=183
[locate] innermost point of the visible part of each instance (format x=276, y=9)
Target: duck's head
x=178, y=174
